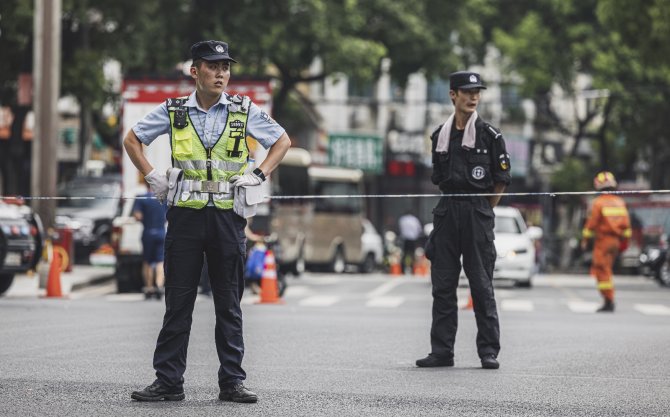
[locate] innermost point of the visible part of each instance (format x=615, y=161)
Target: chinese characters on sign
x=356, y=151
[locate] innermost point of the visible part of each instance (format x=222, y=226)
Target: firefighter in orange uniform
x=609, y=227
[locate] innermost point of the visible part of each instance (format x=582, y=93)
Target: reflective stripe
x=587, y=233
x=605, y=285
x=627, y=233
x=614, y=211
x=219, y=187
x=202, y=165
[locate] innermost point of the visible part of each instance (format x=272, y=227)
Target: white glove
x=245, y=180
x=158, y=184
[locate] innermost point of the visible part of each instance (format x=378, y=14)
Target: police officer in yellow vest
x=208, y=131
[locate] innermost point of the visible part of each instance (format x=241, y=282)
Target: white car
x=372, y=247
x=515, y=244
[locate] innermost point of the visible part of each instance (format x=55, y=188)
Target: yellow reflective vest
x=226, y=158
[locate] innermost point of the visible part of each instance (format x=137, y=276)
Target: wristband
x=257, y=172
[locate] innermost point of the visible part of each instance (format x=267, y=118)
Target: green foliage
x=572, y=175
x=16, y=24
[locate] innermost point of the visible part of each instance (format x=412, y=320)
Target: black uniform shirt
x=472, y=170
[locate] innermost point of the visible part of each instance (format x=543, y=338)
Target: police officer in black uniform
x=469, y=157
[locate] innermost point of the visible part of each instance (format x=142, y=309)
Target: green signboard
x=356, y=151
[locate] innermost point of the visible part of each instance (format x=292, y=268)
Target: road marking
x=94, y=291
x=583, y=306
x=517, y=305
x=319, y=301
x=384, y=288
x=298, y=291
x=653, y=309
x=250, y=299
x=385, y=302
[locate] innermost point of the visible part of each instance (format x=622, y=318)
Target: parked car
x=372, y=248
x=21, y=242
x=90, y=219
x=515, y=244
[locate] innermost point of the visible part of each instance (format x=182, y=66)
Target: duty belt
x=215, y=187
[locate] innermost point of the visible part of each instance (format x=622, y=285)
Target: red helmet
x=604, y=180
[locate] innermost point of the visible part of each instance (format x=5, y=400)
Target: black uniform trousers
x=463, y=226
x=192, y=233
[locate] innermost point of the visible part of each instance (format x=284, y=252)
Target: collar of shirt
x=193, y=102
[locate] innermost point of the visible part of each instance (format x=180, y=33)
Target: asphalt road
x=346, y=346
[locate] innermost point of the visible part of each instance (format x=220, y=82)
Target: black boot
x=490, y=362
x=158, y=392
x=608, y=307
x=433, y=361
x=238, y=393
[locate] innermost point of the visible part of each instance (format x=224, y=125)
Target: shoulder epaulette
x=173, y=103
x=495, y=133
x=239, y=103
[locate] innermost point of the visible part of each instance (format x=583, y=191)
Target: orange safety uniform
x=608, y=225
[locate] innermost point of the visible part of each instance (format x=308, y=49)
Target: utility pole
x=46, y=76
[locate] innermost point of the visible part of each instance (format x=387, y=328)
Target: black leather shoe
x=490, y=362
x=432, y=361
x=239, y=394
x=158, y=392
x=608, y=307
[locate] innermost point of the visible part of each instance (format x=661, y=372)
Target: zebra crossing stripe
x=583, y=306
x=653, y=309
x=385, y=302
x=517, y=305
x=319, y=301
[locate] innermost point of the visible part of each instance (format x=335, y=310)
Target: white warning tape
x=315, y=197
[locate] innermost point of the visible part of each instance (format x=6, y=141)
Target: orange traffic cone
x=421, y=268
x=469, y=305
x=53, y=282
x=269, y=287
x=395, y=268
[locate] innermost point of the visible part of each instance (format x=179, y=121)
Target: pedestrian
x=151, y=212
x=410, y=230
x=608, y=225
x=208, y=131
x=469, y=158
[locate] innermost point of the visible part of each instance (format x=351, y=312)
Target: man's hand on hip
x=159, y=184
x=246, y=179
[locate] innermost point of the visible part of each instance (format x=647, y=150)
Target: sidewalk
x=27, y=286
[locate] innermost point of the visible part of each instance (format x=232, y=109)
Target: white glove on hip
x=245, y=180
x=159, y=185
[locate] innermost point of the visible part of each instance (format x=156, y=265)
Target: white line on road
x=298, y=291
x=385, y=302
x=583, y=306
x=653, y=309
x=319, y=301
x=250, y=299
x=385, y=288
x=517, y=305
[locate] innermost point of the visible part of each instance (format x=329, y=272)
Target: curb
x=93, y=281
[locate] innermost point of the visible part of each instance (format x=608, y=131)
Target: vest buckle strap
x=214, y=187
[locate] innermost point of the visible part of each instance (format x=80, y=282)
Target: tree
x=637, y=71
x=16, y=22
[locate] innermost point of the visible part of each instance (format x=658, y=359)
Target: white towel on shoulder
x=469, y=134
